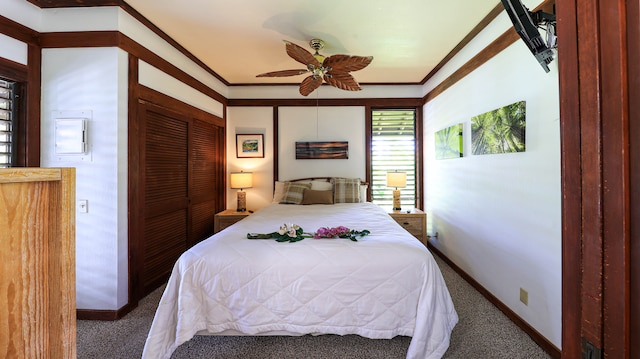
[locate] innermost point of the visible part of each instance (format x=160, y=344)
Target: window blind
x=393, y=147
x=7, y=125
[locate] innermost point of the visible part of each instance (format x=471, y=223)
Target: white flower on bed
x=290, y=230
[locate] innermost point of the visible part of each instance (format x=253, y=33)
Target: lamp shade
x=396, y=179
x=241, y=180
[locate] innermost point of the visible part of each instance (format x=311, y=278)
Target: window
x=393, y=147
x=8, y=109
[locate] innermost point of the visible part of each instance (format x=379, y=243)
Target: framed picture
x=250, y=146
x=322, y=150
x=500, y=131
x=449, y=142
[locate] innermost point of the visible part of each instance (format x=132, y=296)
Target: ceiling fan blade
x=309, y=84
x=283, y=73
x=301, y=55
x=342, y=80
x=346, y=63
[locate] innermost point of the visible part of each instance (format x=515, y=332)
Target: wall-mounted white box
x=71, y=136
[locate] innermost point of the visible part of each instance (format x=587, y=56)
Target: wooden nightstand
x=414, y=222
x=226, y=218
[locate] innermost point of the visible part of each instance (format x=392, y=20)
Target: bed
x=382, y=285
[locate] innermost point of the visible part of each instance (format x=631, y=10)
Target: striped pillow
x=294, y=192
x=346, y=190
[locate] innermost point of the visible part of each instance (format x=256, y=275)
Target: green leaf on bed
x=259, y=236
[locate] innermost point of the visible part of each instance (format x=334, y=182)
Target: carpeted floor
x=482, y=332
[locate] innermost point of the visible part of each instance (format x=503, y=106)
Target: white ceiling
x=239, y=39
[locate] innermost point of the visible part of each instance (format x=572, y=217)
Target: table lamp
x=241, y=180
x=396, y=179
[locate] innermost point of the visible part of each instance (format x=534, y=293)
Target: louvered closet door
x=207, y=155
x=166, y=194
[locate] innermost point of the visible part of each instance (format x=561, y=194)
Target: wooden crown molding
x=48, y=4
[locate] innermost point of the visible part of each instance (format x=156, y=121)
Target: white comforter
x=384, y=285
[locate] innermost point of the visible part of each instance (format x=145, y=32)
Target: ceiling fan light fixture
x=334, y=70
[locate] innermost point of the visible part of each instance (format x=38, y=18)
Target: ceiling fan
x=334, y=70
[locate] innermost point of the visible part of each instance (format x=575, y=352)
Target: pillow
x=279, y=188
x=363, y=192
x=317, y=197
x=321, y=186
x=294, y=192
x=346, y=190
x=278, y=192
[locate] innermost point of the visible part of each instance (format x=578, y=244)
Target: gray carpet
x=482, y=332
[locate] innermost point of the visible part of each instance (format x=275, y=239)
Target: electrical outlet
x=524, y=296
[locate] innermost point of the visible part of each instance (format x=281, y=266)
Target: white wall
x=86, y=83
x=14, y=50
x=498, y=217
x=321, y=124
x=251, y=120
x=153, y=78
x=22, y=12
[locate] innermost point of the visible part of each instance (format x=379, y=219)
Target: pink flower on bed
x=326, y=232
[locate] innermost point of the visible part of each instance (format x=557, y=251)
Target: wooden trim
x=569, y=81
x=18, y=31
x=368, y=138
x=20, y=73
x=420, y=159
x=546, y=345
x=13, y=71
x=93, y=314
x=588, y=89
x=633, y=41
x=494, y=48
x=31, y=132
x=275, y=143
x=133, y=189
x=45, y=4
x=79, y=39
x=182, y=108
x=377, y=102
x=148, y=56
x=615, y=177
x=497, y=10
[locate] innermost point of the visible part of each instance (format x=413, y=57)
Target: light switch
x=83, y=206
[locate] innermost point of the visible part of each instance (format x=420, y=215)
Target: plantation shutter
x=393, y=147
x=7, y=125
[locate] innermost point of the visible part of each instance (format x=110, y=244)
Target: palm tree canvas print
x=499, y=131
x=449, y=142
